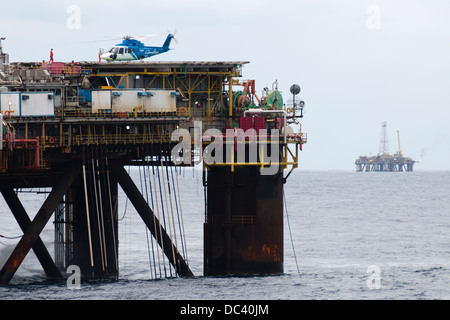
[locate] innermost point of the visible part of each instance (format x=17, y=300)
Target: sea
x=347, y=236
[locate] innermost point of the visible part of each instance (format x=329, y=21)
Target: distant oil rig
x=384, y=161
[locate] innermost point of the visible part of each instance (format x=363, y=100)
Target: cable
x=159, y=219
x=168, y=219
x=290, y=233
x=87, y=216
x=154, y=221
x=98, y=212
x=10, y=238
x=102, y=219
x=152, y=206
x=112, y=210
x=179, y=214
x=126, y=201
x=142, y=176
x=171, y=210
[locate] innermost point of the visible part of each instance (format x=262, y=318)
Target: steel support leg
x=37, y=225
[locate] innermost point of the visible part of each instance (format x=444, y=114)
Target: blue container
x=85, y=95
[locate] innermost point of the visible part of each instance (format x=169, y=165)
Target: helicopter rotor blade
x=104, y=40
x=121, y=38
x=146, y=36
x=142, y=37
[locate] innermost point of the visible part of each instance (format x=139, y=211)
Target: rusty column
x=243, y=231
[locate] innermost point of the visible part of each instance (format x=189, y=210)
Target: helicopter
x=132, y=49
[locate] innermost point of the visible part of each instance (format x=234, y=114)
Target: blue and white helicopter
x=132, y=49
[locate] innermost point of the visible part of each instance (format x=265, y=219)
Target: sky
x=358, y=63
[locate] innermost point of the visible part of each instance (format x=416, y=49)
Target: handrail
x=107, y=113
x=115, y=139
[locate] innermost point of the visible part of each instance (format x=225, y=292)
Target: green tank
x=242, y=101
x=273, y=101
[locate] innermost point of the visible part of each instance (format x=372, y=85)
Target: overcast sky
x=358, y=62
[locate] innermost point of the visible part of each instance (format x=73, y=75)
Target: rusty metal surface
x=244, y=222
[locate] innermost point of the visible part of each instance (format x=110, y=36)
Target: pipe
x=83, y=159
x=142, y=208
x=169, y=215
x=184, y=248
x=102, y=220
x=1, y=131
x=230, y=101
x=112, y=220
x=94, y=180
x=161, y=240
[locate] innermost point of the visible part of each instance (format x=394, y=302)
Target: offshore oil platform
x=384, y=161
x=72, y=127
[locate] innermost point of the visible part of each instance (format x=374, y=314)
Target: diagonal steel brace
x=17, y=209
x=37, y=225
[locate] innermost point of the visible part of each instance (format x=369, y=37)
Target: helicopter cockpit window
x=121, y=51
x=113, y=50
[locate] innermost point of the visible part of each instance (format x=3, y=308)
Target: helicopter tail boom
x=167, y=42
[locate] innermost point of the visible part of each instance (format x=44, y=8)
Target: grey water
x=348, y=235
